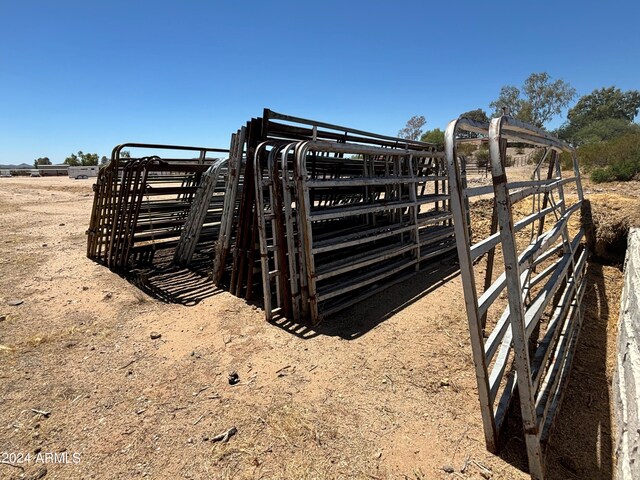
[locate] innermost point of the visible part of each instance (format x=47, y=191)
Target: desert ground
x=385, y=390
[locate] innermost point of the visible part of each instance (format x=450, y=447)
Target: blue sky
x=87, y=75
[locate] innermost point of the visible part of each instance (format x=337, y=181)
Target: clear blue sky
x=87, y=75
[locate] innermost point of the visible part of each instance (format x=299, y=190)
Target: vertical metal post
x=516, y=307
x=461, y=229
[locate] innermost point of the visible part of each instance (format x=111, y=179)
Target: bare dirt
x=384, y=390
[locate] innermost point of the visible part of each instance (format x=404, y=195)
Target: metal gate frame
x=540, y=365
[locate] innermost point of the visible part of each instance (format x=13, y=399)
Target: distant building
x=53, y=170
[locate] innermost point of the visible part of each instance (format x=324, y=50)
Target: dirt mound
x=607, y=219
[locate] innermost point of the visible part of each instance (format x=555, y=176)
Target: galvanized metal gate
x=525, y=344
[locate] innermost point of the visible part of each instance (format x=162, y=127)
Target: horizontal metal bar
x=352, y=263
x=270, y=114
x=366, y=279
x=488, y=297
x=482, y=247
x=362, y=181
x=378, y=207
x=356, y=149
x=572, y=293
x=361, y=237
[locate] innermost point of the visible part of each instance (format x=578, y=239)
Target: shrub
x=482, y=157
x=617, y=159
x=466, y=149
x=600, y=175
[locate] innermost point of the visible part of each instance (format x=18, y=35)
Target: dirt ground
x=384, y=390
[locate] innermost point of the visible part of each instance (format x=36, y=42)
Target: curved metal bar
x=259, y=185
x=270, y=114
x=459, y=207
x=296, y=280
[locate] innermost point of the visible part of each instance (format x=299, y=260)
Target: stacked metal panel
x=528, y=341
x=141, y=205
x=329, y=215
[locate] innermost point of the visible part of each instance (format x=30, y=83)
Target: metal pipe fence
x=314, y=217
x=525, y=345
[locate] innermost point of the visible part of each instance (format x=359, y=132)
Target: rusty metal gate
x=522, y=342
x=141, y=204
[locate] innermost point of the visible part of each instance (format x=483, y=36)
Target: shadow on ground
x=364, y=316
x=172, y=284
x=580, y=445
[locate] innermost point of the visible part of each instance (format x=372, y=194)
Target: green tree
x=477, y=115
x=537, y=102
x=41, y=161
x=84, y=159
x=605, y=103
x=413, y=129
x=103, y=160
x=433, y=136
x=601, y=115
x=72, y=160
x=89, y=159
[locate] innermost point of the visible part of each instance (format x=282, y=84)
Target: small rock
x=61, y=225
x=234, y=378
x=155, y=335
x=85, y=288
x=37, y=450
x=448, y=469
x=44, y=244
x=444, y=383
x=3, y=318
x=15, y=303
x=108, y=295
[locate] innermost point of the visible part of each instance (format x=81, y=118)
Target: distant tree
x=103, y=160
x=601, y=115
x=84, y=159
x=41, y=161
x=125, y=154
x=433, y=136
x=605, y=103
x=413, y=128
x=597, y=131
x=89, y=159
x=72, y=160
x=539, y=100
x=478, y=115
